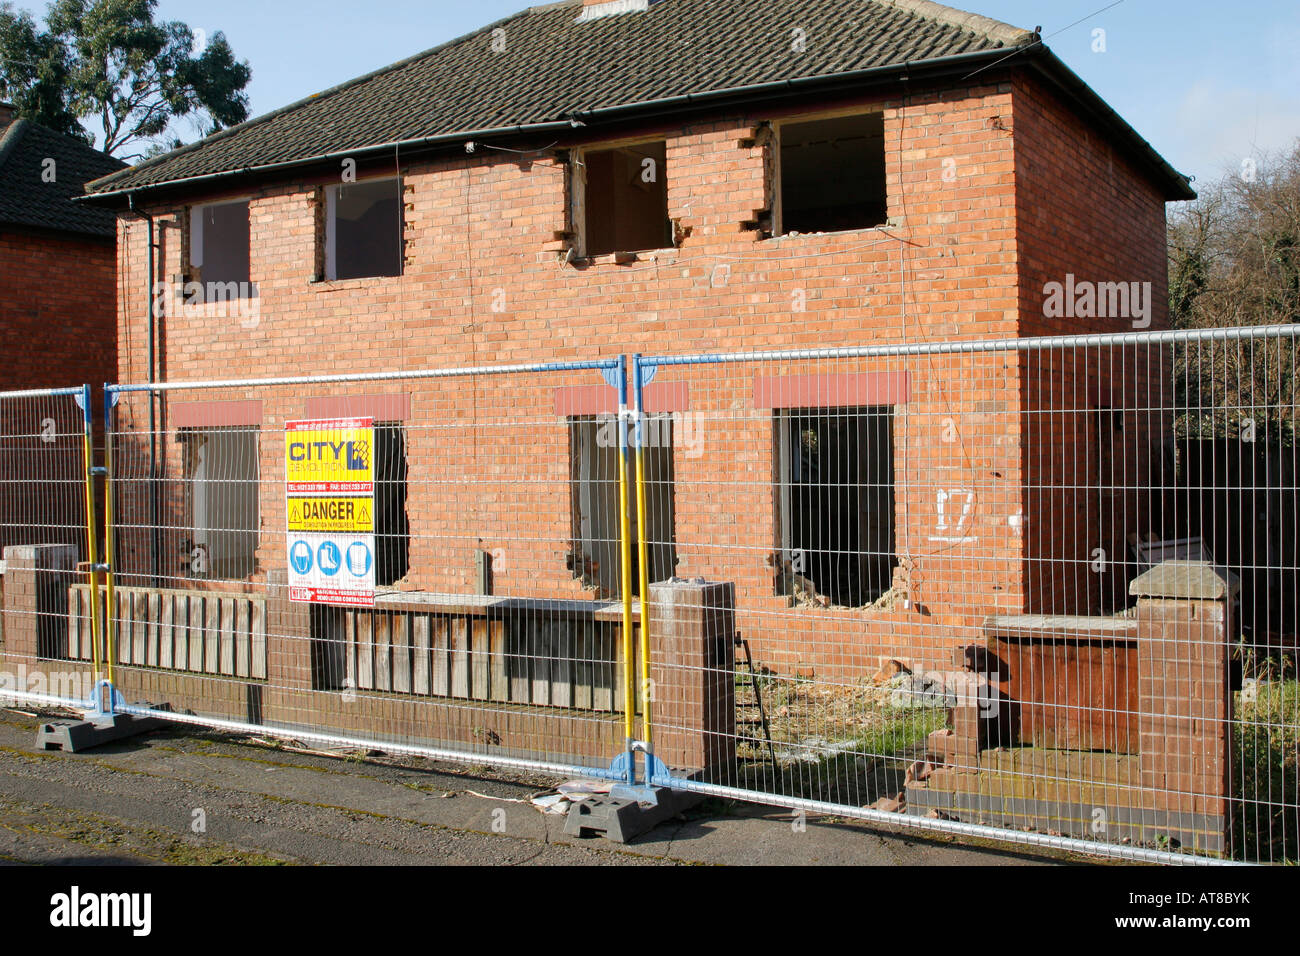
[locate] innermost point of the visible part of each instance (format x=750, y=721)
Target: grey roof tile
x=554, y=67
x=28, y=201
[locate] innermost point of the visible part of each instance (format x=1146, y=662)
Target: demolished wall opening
x=363, y=230
x=594, y=464
x=836, y=499
x=833, y=174
x=625, y=199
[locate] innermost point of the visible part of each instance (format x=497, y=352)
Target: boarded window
x=836, y=499
x=625, y=199
x=833, y=174
x=392, y=527
x=219, y=253
x=594, y=457
x=363, y=230
x=222, y=471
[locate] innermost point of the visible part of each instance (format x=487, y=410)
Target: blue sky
x=1207, y=83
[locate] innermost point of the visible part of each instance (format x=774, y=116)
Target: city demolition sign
x=329, y=481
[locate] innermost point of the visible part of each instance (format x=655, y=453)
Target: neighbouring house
x=485, y=202
x=58, y=309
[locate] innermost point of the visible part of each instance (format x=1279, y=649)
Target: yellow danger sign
x=330, y=456
x=331, y=515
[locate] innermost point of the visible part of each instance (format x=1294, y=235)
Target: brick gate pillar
x=1184, y=615
x=37, y=578
x=692, y=634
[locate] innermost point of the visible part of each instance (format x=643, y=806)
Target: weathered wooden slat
x=499, y=687
x=167, y=632
x=519, y=662
x=562, y=643
x=226, y=654
x=243, y=638
x=365, y=652
x=194, y=633
x=257, y=627
x=440, y=633
x=126, y=613
x=76, y=608
x=583, y=671
x=383, y=624
x=420, y=669
x=480, y=663
x=139, y=627
x=460, y=662
x=541, y=653
x=211, y=635
x=400, y=632
x=151, y=632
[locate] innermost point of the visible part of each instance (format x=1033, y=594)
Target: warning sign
x=330, y=457
x=329, y=510
x=319, y=515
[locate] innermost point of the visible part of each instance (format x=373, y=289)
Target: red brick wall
x=1084, y=210
x=57, y=310
x=480, y=233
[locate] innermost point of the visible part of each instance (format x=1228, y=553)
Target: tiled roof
x=542, y=65
x=27, y=200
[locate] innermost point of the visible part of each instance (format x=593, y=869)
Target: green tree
x=110, y=61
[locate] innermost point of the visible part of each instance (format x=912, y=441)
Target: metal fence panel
x=1040, y=589
x=47, y=508
x=494, y=631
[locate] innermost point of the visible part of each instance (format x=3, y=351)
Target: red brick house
x=585, y=180
x=58, y=294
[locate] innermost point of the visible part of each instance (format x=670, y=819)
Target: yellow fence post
x=92, y=534
x=643, y=556
x=110, y=400
x=625, y=535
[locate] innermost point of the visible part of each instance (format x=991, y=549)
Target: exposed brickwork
x=975, y=200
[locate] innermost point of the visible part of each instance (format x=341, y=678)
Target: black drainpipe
x=156, y=548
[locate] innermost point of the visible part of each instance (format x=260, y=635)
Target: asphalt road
x=178, y=797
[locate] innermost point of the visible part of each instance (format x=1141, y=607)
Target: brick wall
x=57, y=309
x=1084, y=210
x=485, y=284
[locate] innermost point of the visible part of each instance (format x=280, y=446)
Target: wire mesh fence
x=1036, y=589
x=1040, y=586
x=44, y=444
x=426, y=563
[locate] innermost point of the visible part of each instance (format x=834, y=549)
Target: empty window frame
x=392, y=526
x=363, y=229
x=219, y=253
x=832, y=174
x=624, y=199
x=222, y=480
x=594, y=464
x=836, y=501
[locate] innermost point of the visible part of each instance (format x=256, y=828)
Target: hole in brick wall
x=626, y=200
x=392, y=525
x=219, y=252
x=221, y=489
x=837, y=505
x=833, y=174
x=363, y=230
x=594, y=464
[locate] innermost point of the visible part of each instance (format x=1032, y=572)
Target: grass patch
x=1265, y=772
x=848, y=744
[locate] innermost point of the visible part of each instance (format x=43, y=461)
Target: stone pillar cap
x=1191, y=580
